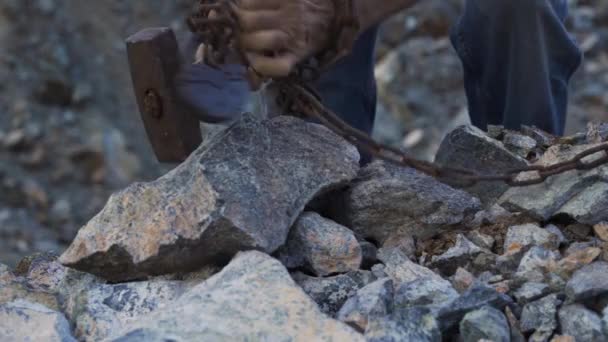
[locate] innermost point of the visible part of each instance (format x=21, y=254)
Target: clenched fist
x=278, y=34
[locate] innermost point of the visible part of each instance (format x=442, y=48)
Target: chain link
x=219, y=33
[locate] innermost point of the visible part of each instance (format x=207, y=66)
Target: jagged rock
x=462, y=280
x=491, y=215
x=322, y=246
x=583, y=324
x=469, y=147
x=519, y=144
x=411, y=324
x=481, y=240
x=541, y=137
x=424, y=292
x=588, y=282
x=570, y=191
x=372, y=301
x=21, y=320
x=541, y=316
x=402, y=270
x=331, y=293
x=253, y=296
x=577, y=247
x=387, y=200
x=516, y=334
x=553, y=229
x=601, y=231
x=379, y=271
x=462, y=253
x=563, y=338
x=101, y=310
x=575, y=261
x=486, y=323
x=242, y=190
x=531, y=291
x=588, y=206
x=578, y=231
x=403, y=243
x=475, y=298
x=529, y=235
x=536, y=263
x=369, y=254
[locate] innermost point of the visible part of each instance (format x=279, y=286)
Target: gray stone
x=322, y=246
x=588, y=206
x=241, y=190
x=561, y=238
x=531, y=291
x=461, y=254
x=577, y=247
x=583, y=324
x=25, y=321
x=404, y=243
x=469, y=147
x=519, y=144
x=536, y=263
x=543, y=201
x=475, y=298
x=424, y=292
x=252, y=298
x=331, y=293
x=481, y=240
x=462, y=280
x=588, y=282
x=486, y=323
x=389, y=200
x=402, y=270
x=412, y=324
x=541, y=137
x=540, y=315
x=372, y=301
x=529, y=235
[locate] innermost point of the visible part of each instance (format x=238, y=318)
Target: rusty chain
x=218, y=36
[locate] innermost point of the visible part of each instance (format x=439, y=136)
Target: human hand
x=278, y=34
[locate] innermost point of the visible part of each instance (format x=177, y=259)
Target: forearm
x=373, y=12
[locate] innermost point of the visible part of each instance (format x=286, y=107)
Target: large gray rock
x=387, y=200
x=470, y=148
x=531, y=291
x=536, y=264
x=540, y=316
x=426, y=291
x=570, y=193
x=331, y=293
x=528, y=235
x=402, y=270
x=242, y=190
x=322, y=246
x=253, y=298
x=411, y=324
x=588, y=282
x=25, y=321
x=486, y=323
x=583, y=324
x=372, y=301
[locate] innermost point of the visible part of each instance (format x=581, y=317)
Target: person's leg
x=518, y=59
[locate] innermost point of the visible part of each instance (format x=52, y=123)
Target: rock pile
x=271, y=231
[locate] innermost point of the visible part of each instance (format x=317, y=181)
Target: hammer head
x=154, y=60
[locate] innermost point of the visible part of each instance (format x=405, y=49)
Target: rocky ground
x=262, y=246
x=244, y=241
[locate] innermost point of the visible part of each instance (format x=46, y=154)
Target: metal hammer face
x=154, y=61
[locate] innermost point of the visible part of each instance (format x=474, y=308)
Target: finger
x=257, y=20
x=259, y=4
x=279, y=66
x=262, y=41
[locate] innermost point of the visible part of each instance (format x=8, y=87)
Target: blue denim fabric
x=517, y=56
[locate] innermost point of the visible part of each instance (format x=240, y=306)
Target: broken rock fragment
x=388, y=200
x=241, y=190
x=25, y=321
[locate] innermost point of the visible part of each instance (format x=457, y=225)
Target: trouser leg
x=518, y=59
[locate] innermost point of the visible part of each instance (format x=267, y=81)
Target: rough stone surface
x=252, y=298
x=462, y=280
x=575, y=261
x=25, y=321
x=424, y=292
x=486, y=323
x=519, y=144
x=529, y=235
x=601, y=230
x=481, y=240
x=541, y=315
x=475, y=298
x=588, y=282
x=322, y=246
x=531, y=291
x=588, y=206
x=469, y=147
x=463, y=252
x=331, y=293
x=583, y=324
x=402, y=270
x=386, y=200
x=536, y=264
x=372, y=301
x=569, y=190
x=242, y=190
x=412, y=324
